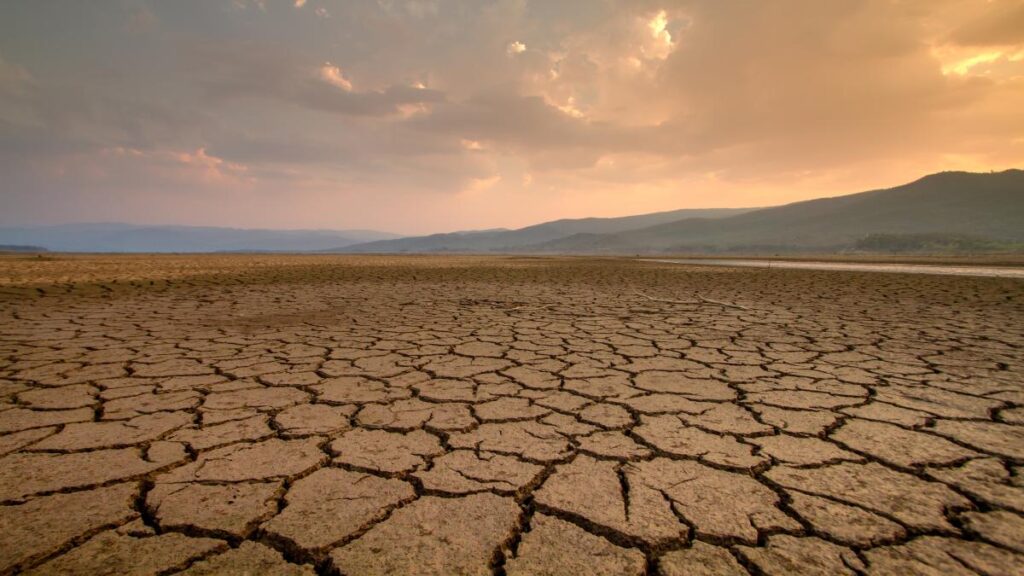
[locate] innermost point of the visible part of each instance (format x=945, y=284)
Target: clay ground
x=463, y=415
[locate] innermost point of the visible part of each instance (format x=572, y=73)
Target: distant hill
x=987, y=207
x=132, y=238
x=516, y=240
x=944, y=212
x=20, y=248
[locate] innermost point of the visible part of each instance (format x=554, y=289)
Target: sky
x=419, y=116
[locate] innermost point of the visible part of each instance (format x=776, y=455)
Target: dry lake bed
x=503, y=415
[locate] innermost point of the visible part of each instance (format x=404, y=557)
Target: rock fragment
x=998, y=526
x=330, y=505
x=33, y=473
x=680, y=383
x=17, y=440
x=985, y=478
x=802, y=451
x=466, y=472
x=845, y=523
x=597, y=492
x=556, y=547
x=913, y=501
x=810, y=422
x=357, y=390
x=252, y=429
x=613, y=444
x=272, y=398
x=786, y=554
x=17, y=419
x=433, y=536
x=700, y=560
x=1002, y=439
x=530, y=440
x=721, y=505
x=388, y=452
x=227, y=509
x=109, y=434
x=313, y=419
x=44, y=525
x=670, y=434
x=890, y=443
x=249, y=559
x=269, y=459
x=939, y=556
x=110, y=553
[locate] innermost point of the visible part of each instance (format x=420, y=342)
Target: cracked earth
x=464, y=415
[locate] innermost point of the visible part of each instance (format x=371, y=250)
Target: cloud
x=333, y=75
x=964, y=66
x=212, y=169
x=261, y=72
x=390, y=111
x=515, y=47
x=662, y=42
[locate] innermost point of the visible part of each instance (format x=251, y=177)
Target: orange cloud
x=333, y=75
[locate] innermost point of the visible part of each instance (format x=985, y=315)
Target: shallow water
x=949, y=270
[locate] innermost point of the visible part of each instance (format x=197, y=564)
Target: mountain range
x=948, y=211
x=535, y=236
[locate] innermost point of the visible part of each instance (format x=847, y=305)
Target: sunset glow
x=431, y=115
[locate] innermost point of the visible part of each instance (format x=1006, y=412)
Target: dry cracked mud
x=499, y=415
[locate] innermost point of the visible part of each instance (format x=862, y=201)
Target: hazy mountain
x=941, y=212
x=514, y=240
x=21, y=248
x=132, y=238
x=987, y=207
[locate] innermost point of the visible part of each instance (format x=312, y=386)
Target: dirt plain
x=503, y=415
